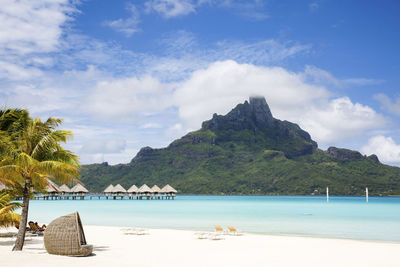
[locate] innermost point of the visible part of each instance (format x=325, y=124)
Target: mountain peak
x=260, y=111
x=246, y=115
x=253, y=121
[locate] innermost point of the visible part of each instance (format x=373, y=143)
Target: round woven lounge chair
x=65, y=236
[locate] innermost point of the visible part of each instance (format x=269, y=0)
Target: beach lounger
x=234, y=231
x=33, y=229
x=219, y=229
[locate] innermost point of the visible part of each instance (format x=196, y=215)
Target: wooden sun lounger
x=234, y=231
x=219, y=229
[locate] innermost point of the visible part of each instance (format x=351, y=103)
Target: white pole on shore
x=327, y=194
x=366, y=194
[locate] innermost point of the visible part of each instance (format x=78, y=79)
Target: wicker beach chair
x=65, y=236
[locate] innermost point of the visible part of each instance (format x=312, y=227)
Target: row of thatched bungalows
x=54, y=191
x=143, y=192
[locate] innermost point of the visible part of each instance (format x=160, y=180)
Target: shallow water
x=341, y=217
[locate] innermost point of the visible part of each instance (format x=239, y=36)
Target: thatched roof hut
x=65, y=189
x=118, y=189
x=133, y=189
x=51, y=187
x=156, y=189
x=168, y=189
x=145, y=189
x=65, y=236
x=78, y=188
x=109, y=189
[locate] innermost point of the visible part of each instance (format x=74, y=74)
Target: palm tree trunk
x=19, y=243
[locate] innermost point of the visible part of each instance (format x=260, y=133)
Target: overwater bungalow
x=145, y=191
x=156, y=191
x=53, y=191
x=133, y=191
x=108, y=191
x=169, y=192
x=79, y=191
x=65, y=191
x=118, y=191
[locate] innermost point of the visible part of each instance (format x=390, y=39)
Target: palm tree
x=34, y=155
x=7, y=207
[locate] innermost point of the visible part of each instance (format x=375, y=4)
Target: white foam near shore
x=163, y=247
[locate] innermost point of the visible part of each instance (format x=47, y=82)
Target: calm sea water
x=342, y=217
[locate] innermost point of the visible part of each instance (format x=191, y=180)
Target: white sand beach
x=162, y=247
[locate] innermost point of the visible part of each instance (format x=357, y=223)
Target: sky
x=128, y=74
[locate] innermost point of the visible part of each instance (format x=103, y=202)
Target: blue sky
x=129, y=74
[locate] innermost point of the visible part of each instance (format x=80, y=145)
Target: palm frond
x=9, y=174
x=50, y=142
x=53, y=123
x=65, y=156
x=58, y=171
x=9, y=219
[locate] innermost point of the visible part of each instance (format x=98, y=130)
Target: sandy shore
x=182, y=248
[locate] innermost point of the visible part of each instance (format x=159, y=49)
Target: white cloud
x=253, y=10
x=104, y=146
x=128, y=98
x=88, y=131
x=179, y=63
x=258, y=52
x=126, y=26
x=384, y=147
x=29, y=32
x=319, y=76
x=361, y=81
x=392, y=106
x=171, y=8
x=179, y=41
x=51, y=92
x=32, y=26
x=250, y=9
x=150, y=125
x=176, y=130
x=15, y=71
x=323, y=77
x=111, y=158
x=340, y=118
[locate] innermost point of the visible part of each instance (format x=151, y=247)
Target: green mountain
x=248, y=151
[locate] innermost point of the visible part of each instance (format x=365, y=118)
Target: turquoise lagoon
x=341, y=217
